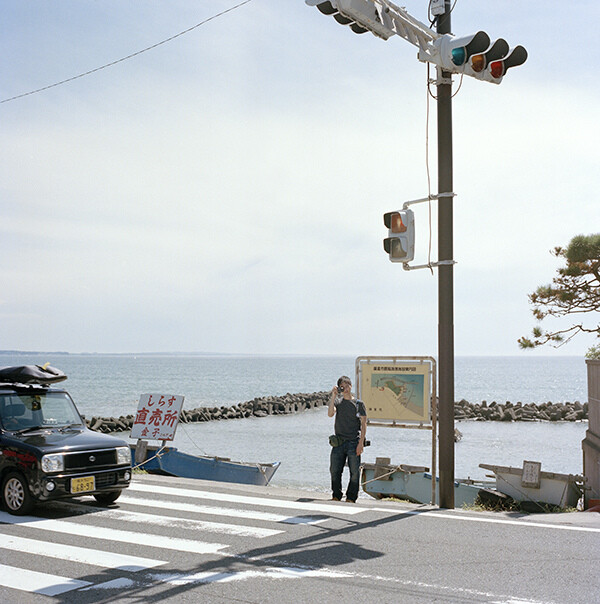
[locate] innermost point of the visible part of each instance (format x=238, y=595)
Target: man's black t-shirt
x=347, y=418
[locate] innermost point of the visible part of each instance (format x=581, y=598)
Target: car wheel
x=107, y=498
x=16, y=495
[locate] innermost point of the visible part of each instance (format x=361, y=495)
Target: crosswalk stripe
x=215, y=511
x=205, y=577
x=74, y=553
x=36, y=582
x=225, y=577
x=325, y=508
x=120, y=583
x=170, y=521
x=94, y=532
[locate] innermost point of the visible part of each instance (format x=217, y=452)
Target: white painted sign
x=531, y=474
x=157, y=416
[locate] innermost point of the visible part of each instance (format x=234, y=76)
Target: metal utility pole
x=445, y=278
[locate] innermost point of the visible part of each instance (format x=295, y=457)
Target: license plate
x=83, y=484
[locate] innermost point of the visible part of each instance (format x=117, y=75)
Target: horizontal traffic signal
x=475, y=55
x=360, y=15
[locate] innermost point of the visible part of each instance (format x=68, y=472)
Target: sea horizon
x=525, y=354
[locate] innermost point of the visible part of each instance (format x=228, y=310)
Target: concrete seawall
x=295, y=403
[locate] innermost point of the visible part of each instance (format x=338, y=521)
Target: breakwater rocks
x=294, y=403
x=258, y=407
x=518, y=412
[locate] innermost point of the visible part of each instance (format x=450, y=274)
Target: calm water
x=111, y=385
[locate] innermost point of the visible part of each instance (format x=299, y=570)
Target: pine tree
x=574, y=291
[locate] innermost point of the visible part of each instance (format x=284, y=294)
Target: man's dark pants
x=339, y=455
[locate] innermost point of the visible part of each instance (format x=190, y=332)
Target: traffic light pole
x=445, y=278
x=474, y=55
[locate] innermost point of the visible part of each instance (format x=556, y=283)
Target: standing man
x=350, y=428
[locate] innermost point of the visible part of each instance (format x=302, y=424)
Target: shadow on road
x=323, y=551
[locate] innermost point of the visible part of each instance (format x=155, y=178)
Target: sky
x=224, y=191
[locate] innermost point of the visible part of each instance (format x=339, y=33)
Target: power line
x=135, y=54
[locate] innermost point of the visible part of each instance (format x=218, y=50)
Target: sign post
x=157, y=418
x=400, y=392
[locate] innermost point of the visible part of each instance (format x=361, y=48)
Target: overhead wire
x=131, y=56
x=427, y=111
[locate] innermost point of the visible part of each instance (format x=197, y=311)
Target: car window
x=20, y=411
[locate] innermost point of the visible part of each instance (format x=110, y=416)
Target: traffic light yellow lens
x=478, y=63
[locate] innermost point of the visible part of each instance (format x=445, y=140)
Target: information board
x=395, y=390
x=157, y=416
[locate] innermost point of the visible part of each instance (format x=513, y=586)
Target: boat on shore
x=528, y=487
x=414, y=483
x=531, y=486
x=169, y=461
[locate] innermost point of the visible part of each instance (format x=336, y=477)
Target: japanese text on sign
x=157, y=416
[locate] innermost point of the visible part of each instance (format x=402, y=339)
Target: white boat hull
x=561, y=490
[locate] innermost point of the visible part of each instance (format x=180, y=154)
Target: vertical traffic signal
x=400, y=243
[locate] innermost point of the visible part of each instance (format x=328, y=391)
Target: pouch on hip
x=335, y=440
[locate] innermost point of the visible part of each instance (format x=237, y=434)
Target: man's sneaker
x=335, y=499
x=350, y=500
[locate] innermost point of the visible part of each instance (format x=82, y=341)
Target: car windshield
x=22, y=411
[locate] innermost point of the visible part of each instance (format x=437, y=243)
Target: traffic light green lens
x=397, y=250
x=459, y=55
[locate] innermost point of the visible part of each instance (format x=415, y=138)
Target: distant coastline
x=22, y=353
x=19, y=353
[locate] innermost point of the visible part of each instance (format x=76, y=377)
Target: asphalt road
x=173, y=540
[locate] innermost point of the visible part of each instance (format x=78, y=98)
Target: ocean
x=110, y=385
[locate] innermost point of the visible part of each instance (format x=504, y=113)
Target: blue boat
x=413, y=483
x=170, y=461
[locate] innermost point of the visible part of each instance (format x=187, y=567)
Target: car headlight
x=53, y=463
x=123, y=455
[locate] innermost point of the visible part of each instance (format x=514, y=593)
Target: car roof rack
x=31, y=375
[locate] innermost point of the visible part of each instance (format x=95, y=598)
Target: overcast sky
x=224, y=191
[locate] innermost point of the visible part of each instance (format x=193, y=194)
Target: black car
x=47, y=452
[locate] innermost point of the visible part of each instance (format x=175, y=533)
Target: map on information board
x=396, y=392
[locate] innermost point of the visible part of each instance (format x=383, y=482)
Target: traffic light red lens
x=497, y=69
x=396, y=225
x=478, y=63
